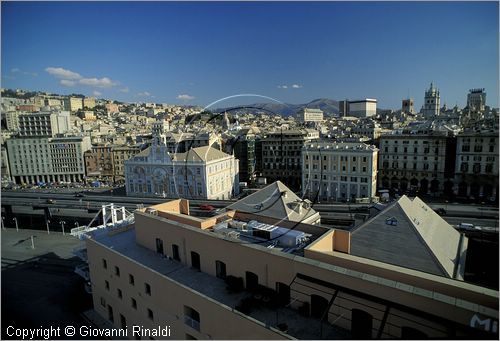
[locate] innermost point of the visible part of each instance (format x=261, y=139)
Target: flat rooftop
x=299, y=326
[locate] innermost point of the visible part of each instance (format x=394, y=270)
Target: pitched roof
x=205, y=153
x=276, y=201
x=410, y=234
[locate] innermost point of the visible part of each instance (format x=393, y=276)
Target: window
x=464, y=167
x=391, y=221
x=195, y=260
x=492, y=149
x=220, y=269
x=117, y=271
x=123, y=322
x=104, y=264
x=175, y=252
x=147, y=289
x=150, y=314
x=131, y=279
x=476, y=168
x=478, y=149
x=191, y=317
x=134, y=303
x=465, y=148
x=106, y=284
x=119, y=292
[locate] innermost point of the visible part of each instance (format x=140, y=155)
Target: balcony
x=192, y=322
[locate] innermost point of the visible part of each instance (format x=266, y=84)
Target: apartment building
x=242, y=276
x=12, y=120
x=106, y=161
x=281, y=155
x=200, y=173
x=310, y=115
x=476, y=173
x=339, y=171
x=73, y=103
x=416, y=161
x=41, y=159
x=46, y=124
x=89, y=102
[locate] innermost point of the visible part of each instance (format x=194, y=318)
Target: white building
x=431, y=102
x=310, y=115
x=363, y=108
x=339, y=171
x=200, y=173
x=42, y=159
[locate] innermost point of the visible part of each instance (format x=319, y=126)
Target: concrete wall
x=275, y=266
x=167, y=301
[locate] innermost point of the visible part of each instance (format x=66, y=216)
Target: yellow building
x=89, y=102
x=73, y=103
x=243, y=276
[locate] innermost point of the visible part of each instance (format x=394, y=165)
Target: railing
x=83, y=271
x=191, y=322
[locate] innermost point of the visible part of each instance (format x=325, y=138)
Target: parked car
x=468, y=227
x=50, y=201
x=206, y=207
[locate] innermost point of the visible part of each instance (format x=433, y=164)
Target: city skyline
x=196, y=53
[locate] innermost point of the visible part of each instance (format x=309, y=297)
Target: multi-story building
x=182, y=142
x=73, y=103
x=310, y=115
x=476, y=100
x=120, y=155
x=476, y=173
x=416, y=162
x=42, y=159
x=363, y=108
x=89, y=102
x=106, y=161
x=44, y=124
x=407, y=106
x=398, y=276
x=369, y=129
x=344, y=108
x=339, y=171
x=52, y=102
x=431, y=102
x=243, y=147
x=5, y=170
x=200, y=173
x=281, y=155
x=12, y=120
x=111, y=107
x=99, y=162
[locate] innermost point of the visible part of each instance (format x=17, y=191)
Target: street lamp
x=15, y=220
x=62, y=227
x=3, y=223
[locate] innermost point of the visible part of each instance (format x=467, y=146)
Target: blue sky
x=196, y=53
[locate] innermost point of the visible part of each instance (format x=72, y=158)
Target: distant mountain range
x=328, y=106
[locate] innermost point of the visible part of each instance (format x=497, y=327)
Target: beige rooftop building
x=239, y=275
